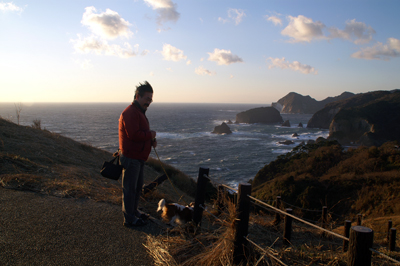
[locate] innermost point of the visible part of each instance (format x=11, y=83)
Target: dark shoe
x=139, y=222
x=144, y=216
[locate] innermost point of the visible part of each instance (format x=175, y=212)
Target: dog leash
x=165, y=172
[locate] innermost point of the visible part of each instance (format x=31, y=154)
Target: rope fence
x=384, y=255
x=300, y=220
x=357, y=240
x=265, y=252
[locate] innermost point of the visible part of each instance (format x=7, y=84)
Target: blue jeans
x=132, y=183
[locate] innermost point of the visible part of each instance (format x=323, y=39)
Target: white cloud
x=169, y=69
x=108, y=24
x=223, y=20
x=166, y=10
x=274, y=19
x=231, y=76
x=151, y=74
x=100, y=46
x=303, y=29
x=224, y=57
x=295, y=65
x=202, y=71
x=144, y=52
x=172, y=53
x=235, y=15
x=188, y=62
x=359, y=32
x=380, y=51
x=10, y=7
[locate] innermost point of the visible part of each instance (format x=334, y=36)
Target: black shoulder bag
x=111, y=170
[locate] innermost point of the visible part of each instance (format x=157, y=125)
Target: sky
x=204, y=51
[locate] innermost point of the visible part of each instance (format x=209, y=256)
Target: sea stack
x=222, y=129
x=286, y=123
x=266, y=115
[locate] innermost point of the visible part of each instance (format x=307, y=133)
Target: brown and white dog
x=174, y=213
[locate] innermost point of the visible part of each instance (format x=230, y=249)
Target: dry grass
x=213, y=244
x=189, y=245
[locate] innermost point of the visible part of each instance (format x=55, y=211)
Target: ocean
x=183, y=131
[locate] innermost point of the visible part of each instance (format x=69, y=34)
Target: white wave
x=280, y=151
x=168, y=135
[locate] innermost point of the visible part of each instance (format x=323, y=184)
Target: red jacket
x=134, y=133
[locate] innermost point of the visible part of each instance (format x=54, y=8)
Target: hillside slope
x=363, y=180
x=49, y=163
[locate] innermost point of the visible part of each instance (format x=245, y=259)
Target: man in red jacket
x=135, y=142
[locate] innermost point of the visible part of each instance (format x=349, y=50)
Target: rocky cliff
x=323, y=118
x=267, y=115
x=294, y=103
x=370, y=124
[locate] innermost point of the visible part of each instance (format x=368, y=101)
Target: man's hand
x=153, y=134
x=154, y=142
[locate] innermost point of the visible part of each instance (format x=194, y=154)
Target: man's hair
x=142, y=88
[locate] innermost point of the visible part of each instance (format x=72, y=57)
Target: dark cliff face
x=267, y=115
x=295, y=103
x=369, y=124
x=323, y=118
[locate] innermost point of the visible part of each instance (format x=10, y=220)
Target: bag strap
x=115, y=158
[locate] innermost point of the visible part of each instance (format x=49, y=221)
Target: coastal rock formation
x=323, y=118
x=222, y=129
x=372, y=123
x=229, y=122
x=300, y=125
x=294, y=103
x=286, y=123
x=267, y=115
x=286, y=142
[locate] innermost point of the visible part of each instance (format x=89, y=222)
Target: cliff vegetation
x=358, y=180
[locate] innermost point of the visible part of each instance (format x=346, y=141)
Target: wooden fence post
x=347, y=225
x=324, y=219
x=200, y=191
x=287, y=232
x=392, y=239
x=221, y=199
x=241, y=222
x=324, y=216
x=360, y=241
x=277, y=215
x=388, y=230
x=359, y=219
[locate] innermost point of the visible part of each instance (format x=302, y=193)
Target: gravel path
x=37, y=229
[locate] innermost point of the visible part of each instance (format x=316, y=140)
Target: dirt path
x=44, y=230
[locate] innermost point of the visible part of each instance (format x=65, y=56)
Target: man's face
x=146, y=100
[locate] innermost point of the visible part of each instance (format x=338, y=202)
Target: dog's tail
x=161, y=205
